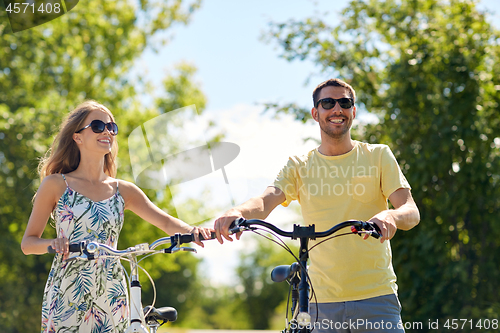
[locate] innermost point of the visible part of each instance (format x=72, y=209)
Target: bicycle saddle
x=284, y=272
x=166, y=313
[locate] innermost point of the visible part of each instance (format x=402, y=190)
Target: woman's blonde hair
x=64, y=154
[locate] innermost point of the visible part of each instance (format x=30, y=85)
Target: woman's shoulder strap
x=65, y=180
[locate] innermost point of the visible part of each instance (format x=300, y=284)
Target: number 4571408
x=17, y=8
x=455, y=324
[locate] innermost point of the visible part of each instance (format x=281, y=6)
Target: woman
x=87, y=203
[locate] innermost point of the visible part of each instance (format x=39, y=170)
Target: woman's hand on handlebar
x=223, y=223
x=206, y=233
x=61, y=245
x=386, y=223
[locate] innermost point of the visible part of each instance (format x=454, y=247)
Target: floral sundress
x=86, y=296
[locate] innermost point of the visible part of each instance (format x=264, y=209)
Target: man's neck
x=332, y=147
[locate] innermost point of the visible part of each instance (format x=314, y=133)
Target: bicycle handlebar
x=297, y=272
x=174, y=240
x=309, y=232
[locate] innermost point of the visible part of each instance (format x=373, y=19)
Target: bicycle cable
x=281, y=243
x=153, y=286
x=288, y=303
x=287, y=248
x=327, y=239
x=313, y=293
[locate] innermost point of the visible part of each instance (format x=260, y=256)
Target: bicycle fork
x=136, y=313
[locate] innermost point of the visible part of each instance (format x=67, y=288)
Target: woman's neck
x=91, y=169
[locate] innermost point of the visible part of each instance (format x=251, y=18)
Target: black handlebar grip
x=377, y=234
x=185, y=238
x=212, y=236
x=188, y=238
x=75, y=247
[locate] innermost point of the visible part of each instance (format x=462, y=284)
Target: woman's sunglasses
x=329, y=103
x=99, y=126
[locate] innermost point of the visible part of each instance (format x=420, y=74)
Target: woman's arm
x=137, y=202
x=51, y=188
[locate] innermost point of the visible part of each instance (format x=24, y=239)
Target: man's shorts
x=376, y=315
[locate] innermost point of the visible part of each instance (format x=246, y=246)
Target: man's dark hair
x=335, y=83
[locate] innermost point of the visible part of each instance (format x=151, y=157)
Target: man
x=340, y=180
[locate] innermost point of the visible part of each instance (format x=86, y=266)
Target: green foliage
x=429, y=69
x=218, y=308
x=300, y=114
x=259, y=295
x=181, y=90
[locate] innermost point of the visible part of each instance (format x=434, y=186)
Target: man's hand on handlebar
x=223, y=223
x=386, y=223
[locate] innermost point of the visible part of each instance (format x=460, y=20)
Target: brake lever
x=235, y=230
x=367, y=228
x=83, y=256
x=182, y=248
x=240, y=229
x=375, y=232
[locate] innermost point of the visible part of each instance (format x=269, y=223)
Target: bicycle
x=296, y=273
x=138, y=316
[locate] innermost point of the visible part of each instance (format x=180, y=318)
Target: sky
x=239, y=71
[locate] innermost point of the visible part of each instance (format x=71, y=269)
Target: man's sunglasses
x=329, y=103
x=99, y=126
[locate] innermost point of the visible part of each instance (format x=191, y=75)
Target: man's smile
x=337, y=120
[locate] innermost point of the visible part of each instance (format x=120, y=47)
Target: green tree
x=219, y=308
x=260, y=297
x=429, y=70
x=45, y=72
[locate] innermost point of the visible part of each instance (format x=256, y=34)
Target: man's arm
x=404, y=216
x=256, y=208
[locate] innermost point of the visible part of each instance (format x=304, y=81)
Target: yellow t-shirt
x=333, y=189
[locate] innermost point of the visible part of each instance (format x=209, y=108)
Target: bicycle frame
x=136, y=312
x=302, y=321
